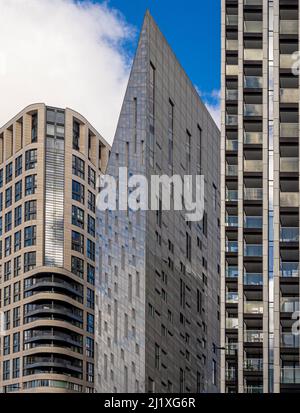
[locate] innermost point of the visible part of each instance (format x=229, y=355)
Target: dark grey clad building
x=157, y=303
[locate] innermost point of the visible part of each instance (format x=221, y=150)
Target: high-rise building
x=260, y=196
x=157, y=306
x=49, y=161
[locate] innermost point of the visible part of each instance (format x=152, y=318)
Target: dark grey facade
x=157, y=304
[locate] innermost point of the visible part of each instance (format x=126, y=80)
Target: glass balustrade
x=232, y=272
x=232, y=19
x=286, y=61
x=232, y=145
x=253, y=250
x=230, y=373
x=255, y=165
x=232, y=221
x=253, y=2
x=290, y=375
x=252, y=26
x=253, y=364
x=232, y=70
x=289, y=340
x=232, y=94
x=232, y=44
x=253, y=222
x=253, y=82
x=289, y=26
x=231, y=349
x=253, y=54
x=232, y=323
x=253, y=194
x=253, y=138
x=289, y=199
x=232, y=297
x=289, y=95
x=231, y=170
x=253, y=307
x=289, y=305
x=252, y=109
x=231, y=195
x=289, y=130
x=253, y=336
x=253, y=389
x=231, y=120
x=232, y=246
x=289, y=269
x=253, y=278
x=289, y=164
x=289, y=234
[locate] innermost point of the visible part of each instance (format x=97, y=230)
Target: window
x=8, y=172
x=1, y=226
x=157, y=356
x=18, y=191
x=77, y=242
x=16, y=342
x=92, y=177
x=91, y=250
x=18, y=241
x=1, y=201
x=77, y=192
x=30, y=236
x=91, y=274
x=30, y=210
x=30, y=184
x=30, y=159
x=77, y=217
x=91, y=201
x=16, y=368
x=29, y=261
x=90, y=298
x=17, y=266
x=76, y=135
x=91, y=226
x=188, y=246
x=78, y=167
x=6, y=370
x=214, y=372
x=89, y=346
x=6, y=345
x=215, y=197
x=77, y=266
x=8, y=197
x=16, y=317
x=17, y=291
x=34, y=127
x=90, y=324
x=7, y=320
x=1, y=178
x=90, y=372
x=8, y=221
x=7, y=270
x=18, y=166
x=7, y=245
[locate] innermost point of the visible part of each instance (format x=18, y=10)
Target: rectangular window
x=7, y=270
x=90, y=298
x=77, y=192
x=77, y=267
x=16, y=342
x=30, y=236
x=76, y=135
x=92, y=177
x=8, y=172
x=34, y=128
x=17, y=266
x=78, y=217
x=30, y=159
x=16, y=368
x=18, y=241
x=29, y=261
x=91, y=250
x=90, y=325
x=18, y=191
x=91, y=201
x=6, y=345
x=7, y=246
x=8, y=221
x=8, y=197
x=78, y=166
x=30, y=185
x=30, y=210
x=77, y=242
x=91, y=274
x=91, y=226
x=18, y=165
x=188, y=152
x=188, y=246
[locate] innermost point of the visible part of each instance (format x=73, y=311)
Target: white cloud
x=64, y=53
x=212, y=101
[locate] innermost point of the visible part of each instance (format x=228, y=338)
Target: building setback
x=260, y=196
x=49, y=161
x=157, y=305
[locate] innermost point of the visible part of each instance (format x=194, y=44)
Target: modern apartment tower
x=49, y=161
x=260, y=196
x=157, y=306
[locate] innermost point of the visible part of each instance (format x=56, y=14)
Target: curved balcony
x=52, y=364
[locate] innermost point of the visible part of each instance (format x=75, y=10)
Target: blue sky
x=192, y=28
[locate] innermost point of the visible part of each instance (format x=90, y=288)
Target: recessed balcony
x=289, y=269
x=232, y=94
x=253, y=138
x=253, y=365
x=231, y=349
x=253, y=279
x=289, y=199
x=253, y=307
x=231, y=221
x=232, y=272
x=253, y=165
x=253, y=82
x=231, y=170
x=253, y=2
x=232, y=145
x=253, y=222
x=232, y=297
x=253, y=336
x=232, y=70
x=231, y=195
x=232, y=19
x=230, y=374
x=289, y=27
x=253, y=54
x=289, y=165
x=232, y=323
x=289, y=95
x=289, y=304
x=290, y=375
x=253, y=389
x=289, y=234
x=287, y=61
x=252, y=26
x=252, y=109
x=253, y=250
x=232, y=246
x=253, y=194
x=232, y=44
x=289, y=130
x=290, y=341
x=231, y=120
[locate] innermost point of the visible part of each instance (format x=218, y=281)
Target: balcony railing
x=232, y=70
x=253, y=54
x=253, y=194
x=253, y=250
x=289, y=26
x=232, y=272
x=286, y=61
x=253, y=389
x=253, y=2
x=231, y=349
x=253, y=336
x=253, y=364
x=289, y=305
x=231, y=170
x=232, y=44
x=232, y=297
x=252, y=109
x=232, y=94
x=253, y=307
x=231, y=120
x=290, y=375
x=289, y=95
x=230, y=373
x=253, y=165
x=232, y=19
x=253, y=222
x=231, y=195
x=289, y=340
x=289, y=130
x=232, y=145
x=289, y=164
x=289, y=234
x=253, y=138
x=232, y=323
x=289, y=199
x=232, y=246
x=253, y=279
x=232, y=221
x=253, y=82
x=289, y=269
x=252, y=26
